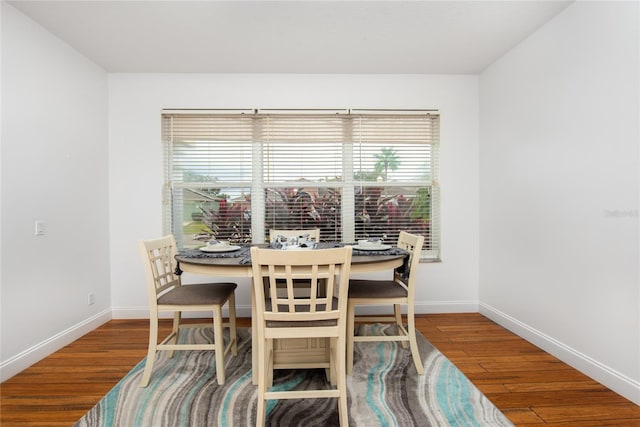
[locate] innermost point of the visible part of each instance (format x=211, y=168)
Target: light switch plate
x=39, y=227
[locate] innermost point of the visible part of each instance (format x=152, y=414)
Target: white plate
x=372, y=248
x=220, y=249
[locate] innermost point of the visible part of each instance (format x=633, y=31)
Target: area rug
x=384, y=390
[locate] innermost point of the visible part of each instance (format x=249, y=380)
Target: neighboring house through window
x=355, y=174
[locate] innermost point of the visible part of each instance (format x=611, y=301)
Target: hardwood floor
x=529, y=386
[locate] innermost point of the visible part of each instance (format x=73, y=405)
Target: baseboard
x=28, y=357
x=426, y=308
x=614, y=380
x=440, y=307
x=142, y=312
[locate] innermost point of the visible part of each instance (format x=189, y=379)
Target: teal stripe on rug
x=453, y=394
x=111, y=399
x=227, y=416
x=376, y=380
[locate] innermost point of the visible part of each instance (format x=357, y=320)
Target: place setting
x=216, y=249
x=375, y=247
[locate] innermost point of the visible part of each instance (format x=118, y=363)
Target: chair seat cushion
x=375, y=289
x=198, y=294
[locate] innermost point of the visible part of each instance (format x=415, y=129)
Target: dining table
x=235, y=261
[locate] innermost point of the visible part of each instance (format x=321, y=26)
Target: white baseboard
x=142, y=312
x=439, y=307
x=425, y=308
x=28, y=357
x=621, y=384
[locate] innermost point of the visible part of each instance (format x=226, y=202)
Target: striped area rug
x=384, y=390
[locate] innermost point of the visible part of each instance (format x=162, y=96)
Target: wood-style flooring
x=529, y=386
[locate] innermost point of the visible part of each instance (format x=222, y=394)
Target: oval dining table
x=238, y=264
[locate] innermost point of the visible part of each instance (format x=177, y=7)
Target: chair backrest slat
x=330, y=265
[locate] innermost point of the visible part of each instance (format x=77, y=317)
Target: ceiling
x=426, y=37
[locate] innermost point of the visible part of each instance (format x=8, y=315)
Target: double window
x=355, y=174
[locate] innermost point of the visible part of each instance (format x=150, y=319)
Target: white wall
x=54, y=168
x=135, y=104
x=559, y=189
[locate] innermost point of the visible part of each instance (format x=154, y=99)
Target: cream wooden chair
x=288, y=316
x=399, y=291
x=166, y=293
x=314, y=234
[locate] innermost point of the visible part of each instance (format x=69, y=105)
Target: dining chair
x=167, y=293
x=285, y=316
x=400, y=291
x=313, y=233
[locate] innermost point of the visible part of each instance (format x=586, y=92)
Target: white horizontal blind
x=302, y=147
x=208, y=148
x=354, y=176
x=302, y=171
x=209, y=175
x=395, y=173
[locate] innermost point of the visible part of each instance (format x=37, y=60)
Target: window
x=354, y=174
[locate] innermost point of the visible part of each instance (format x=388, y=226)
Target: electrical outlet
x=91, y=299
